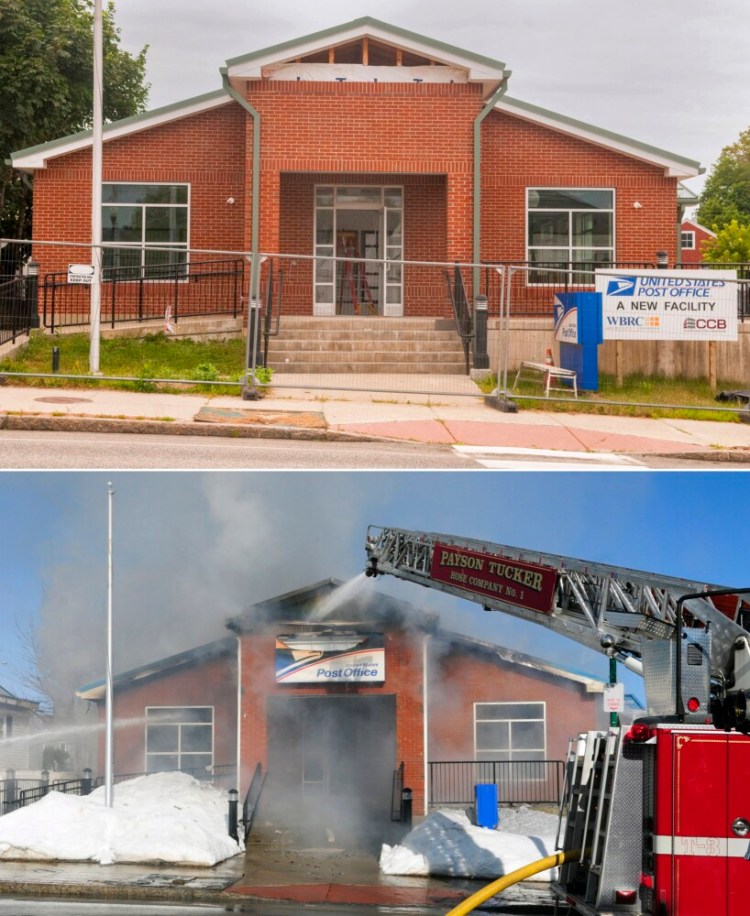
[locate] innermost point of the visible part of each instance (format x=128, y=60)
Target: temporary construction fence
x=375, y=325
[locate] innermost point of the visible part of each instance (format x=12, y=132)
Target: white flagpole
x=96, y=192
x=109, y=691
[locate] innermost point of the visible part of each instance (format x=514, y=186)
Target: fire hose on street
x=520, y=874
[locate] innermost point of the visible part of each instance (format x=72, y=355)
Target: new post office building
x=363, y=140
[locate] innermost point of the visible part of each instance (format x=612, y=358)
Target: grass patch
x=140, y=358
x=693, y=398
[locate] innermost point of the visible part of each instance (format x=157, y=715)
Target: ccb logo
x=705, y=324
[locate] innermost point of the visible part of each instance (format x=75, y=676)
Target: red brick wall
x=517, y=154
x=212, y=683
x=416, y=135
x=207, y=151
x=460, y=679
x=403, y=660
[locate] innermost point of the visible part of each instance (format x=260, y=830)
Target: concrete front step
x=360, y=368
x=361, y=344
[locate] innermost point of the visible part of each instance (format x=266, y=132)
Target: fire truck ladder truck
x=660, y=812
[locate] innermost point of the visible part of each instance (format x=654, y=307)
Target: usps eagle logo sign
x=621, y=286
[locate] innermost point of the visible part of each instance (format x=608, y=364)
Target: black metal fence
x=164, y=293
x=743, y=289
x=451, y=782
x=17, y=793
x=18, y=306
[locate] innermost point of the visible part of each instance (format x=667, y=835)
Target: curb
x=114, y=892
x=45, y=423
x=737, y=455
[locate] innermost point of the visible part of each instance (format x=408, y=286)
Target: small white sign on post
x=81, y=273
x=614, y=698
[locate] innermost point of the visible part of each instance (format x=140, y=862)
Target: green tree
x=726, y=195
x=46, y=61
x=731, y=245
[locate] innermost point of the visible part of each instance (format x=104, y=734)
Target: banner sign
x=523, y=584
x=669, y=305
x=330, y=657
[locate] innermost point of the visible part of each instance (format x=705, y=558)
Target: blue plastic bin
x=485, y=805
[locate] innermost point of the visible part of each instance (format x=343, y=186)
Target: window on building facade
x=509, y=731
x=687, y=241
x=179, y=738
x=571, y=229
x=149, y=224
x=6, y=729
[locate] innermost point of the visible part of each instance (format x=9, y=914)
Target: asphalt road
x=89, y=451
x=36, y=450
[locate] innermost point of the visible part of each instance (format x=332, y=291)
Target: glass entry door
x=358, y=244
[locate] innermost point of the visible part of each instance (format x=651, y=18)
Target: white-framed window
x=510, y=731
x=150, y=225
x=569, y=228
x=687, y=240
x=6, y=726
x=179, y=738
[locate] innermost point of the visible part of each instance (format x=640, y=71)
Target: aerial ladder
x=660, y=812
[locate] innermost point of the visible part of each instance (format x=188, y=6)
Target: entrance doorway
x=330, y=765
x=358, y=249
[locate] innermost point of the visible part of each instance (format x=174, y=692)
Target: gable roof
x=326, y=603
x=674, y=166
x=9, y=700
x=494, y=651
x=691, y=223
x=478, y=68
x=95, y=691
x=36, y=157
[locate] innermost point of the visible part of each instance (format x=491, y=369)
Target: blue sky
x=192, y=549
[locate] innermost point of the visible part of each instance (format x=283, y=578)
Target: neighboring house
x=692, y=237
x=331, y=696
x=16, y=731
x=362, y=140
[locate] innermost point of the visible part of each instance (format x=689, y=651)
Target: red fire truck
x=660, y=811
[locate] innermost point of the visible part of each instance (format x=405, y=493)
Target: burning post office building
x=341, y=697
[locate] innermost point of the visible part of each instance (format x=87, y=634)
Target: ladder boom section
x=611, y=609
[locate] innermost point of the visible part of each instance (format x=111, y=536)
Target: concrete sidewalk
x=333, y=413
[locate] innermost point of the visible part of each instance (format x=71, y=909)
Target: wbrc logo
x=621, y=286
x=704, y=324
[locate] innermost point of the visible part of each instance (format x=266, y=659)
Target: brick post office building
x=338, y=697
x=362, y=141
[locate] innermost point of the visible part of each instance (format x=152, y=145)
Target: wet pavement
x=269, y=878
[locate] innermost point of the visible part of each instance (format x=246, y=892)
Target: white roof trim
x=37, y=157
x=673, y=168
x=253, y=69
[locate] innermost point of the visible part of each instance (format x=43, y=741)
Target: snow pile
x=447, y=843
x=166, y=817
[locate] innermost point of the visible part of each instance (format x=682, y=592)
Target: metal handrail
x=252, y=798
